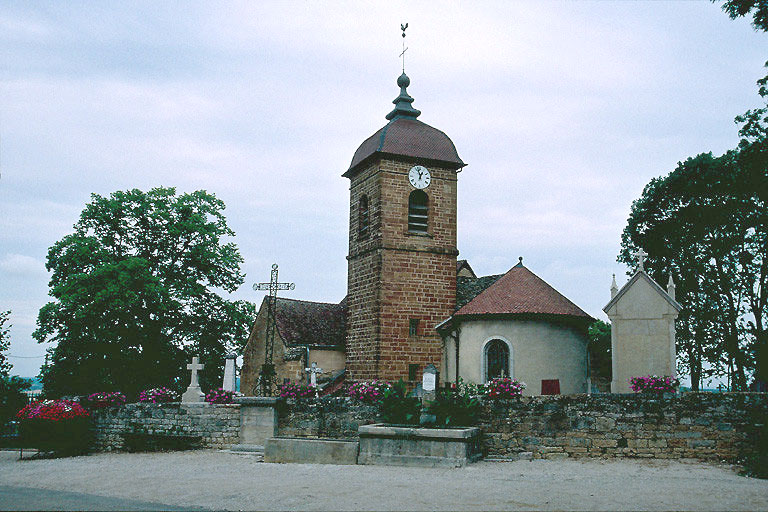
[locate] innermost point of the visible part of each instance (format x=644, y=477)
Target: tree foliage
x=706, y=223
x=758, y=9
x=135, y=289
x=599, y=346
x=5, y=342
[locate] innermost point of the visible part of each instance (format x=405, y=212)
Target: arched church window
x=418, y=208
x=496, y=360
x=364, y=219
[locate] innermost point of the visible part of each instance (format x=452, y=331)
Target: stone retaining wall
x=327, y=417
x=217, y=425
x=709, y=426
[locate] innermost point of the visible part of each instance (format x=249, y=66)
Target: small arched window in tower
x=364, y=218
x=418, y=208
x=496, y=360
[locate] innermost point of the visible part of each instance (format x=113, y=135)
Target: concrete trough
x=310, y=451
x=392, y=445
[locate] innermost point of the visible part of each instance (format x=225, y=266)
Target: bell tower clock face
x=419, y=176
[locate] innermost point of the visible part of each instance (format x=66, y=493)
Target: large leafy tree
x=707, y=224
x=757, y=8
x=599, y=336
x=135, y=289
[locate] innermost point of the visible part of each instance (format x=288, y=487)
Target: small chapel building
x=410, y=302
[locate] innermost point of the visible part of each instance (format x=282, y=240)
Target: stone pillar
x=258, y=420
x=230, y=372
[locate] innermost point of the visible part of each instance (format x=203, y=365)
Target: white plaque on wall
x=428, y=381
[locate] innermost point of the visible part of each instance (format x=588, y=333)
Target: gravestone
x=230, y=372
x=193, y=394
x=429, y=392
x=642, y=318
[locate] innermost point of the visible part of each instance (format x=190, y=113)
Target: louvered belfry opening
x=418, y=209
x=363, y=218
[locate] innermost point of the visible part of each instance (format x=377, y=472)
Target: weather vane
x=403, y=27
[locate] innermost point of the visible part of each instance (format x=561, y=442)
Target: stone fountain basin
x=401, y=445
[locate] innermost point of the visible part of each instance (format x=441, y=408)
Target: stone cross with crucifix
x=193, y=392
x=640, y=254
x=313, y=371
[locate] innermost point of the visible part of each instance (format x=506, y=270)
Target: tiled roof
x=408, y=137
x=301, y=322
x=519, y=291
x=467, y=288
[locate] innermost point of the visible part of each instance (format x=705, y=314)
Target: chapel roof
x=301, y=322
x=518, y=292
x=405, y=136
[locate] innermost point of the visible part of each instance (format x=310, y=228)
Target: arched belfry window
x=364, y=218
x=418, y=209
x=496, y=359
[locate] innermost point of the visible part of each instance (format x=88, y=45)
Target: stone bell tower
x=402, y=246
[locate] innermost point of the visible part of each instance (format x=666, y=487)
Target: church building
x=410, y=302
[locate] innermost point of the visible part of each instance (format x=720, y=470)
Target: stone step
x=255, y=449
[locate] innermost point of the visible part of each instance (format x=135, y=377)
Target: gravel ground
x=219, y=480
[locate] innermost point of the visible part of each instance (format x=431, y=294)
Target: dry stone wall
x=706, y=426
x=218, y=426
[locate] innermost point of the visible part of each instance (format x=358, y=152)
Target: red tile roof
x=522, y=292
x=407, y=137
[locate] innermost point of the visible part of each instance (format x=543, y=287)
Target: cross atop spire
x=403, y=102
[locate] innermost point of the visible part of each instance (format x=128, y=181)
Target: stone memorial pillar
x=429, y=387
x=230, y=373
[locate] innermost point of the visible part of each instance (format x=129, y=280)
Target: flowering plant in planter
x=370, y=392
x=219, y=396
x=293, y=390
x=654, y=384
x=157, y=395
x=59, y=426
x=504, y=388
x=102, y=400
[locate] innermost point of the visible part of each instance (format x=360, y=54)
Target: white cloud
x=22, y=265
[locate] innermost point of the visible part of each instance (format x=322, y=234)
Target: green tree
x=599, y=346
x=12, y=388
x=707, y=224
x=135, y=289
x=758, y=8
x=5, y=342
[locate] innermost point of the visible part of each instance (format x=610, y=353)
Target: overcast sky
x=563, y=112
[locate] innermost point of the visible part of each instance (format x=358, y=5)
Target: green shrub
x=398, y=408
x=59, y=426
x=755, y=461
x=457, y=406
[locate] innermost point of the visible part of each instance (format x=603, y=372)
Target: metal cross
x=640, y=255
x=267, y=375
x=403, y=27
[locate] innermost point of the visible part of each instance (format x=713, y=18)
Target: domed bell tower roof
x=406, y=137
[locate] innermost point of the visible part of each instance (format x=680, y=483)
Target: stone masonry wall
x=395, y=276
x=327, y=417
x=218, y=425
x=707, y=426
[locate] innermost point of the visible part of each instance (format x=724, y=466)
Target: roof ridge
x=310, y=301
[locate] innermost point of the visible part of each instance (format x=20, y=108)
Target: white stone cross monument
x=193, y=393
x=230, y=370
x=313, y=370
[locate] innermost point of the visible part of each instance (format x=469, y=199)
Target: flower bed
x=219, y=396
x=654, y=384
x=504, y=389
x=58, y=426
x=158, y=396
x=102, y=400
x=369, y=392
x=297, y=391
